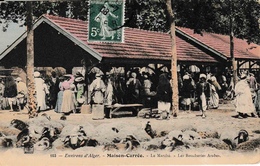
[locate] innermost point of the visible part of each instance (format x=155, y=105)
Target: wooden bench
x=116, y=107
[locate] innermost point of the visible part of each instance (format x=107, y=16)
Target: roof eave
x=73, y=39
x=201, y=44
x=19, y=39
x=41, y=20
x=13, y=45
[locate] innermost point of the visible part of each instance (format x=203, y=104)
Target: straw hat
x=18, y=79
x=79, y=79
x=203, y=76
x=133, y=74
x=243, y=75
x=213, y=78
x=98, y=75
x=81, y=100
x=186, y=77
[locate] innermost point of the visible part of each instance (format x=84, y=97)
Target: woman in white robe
x=41, y=91
x=243, y=101
x=214, y=97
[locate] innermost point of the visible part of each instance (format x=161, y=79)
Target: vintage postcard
x=129, y=82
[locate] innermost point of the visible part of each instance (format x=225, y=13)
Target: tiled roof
x=139, y=44
x=221, y=43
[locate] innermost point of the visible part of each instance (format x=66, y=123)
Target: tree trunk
x=231, y=38
x=175, y=97
x=30, y=63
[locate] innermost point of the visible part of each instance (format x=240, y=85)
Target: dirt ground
x=217, y=120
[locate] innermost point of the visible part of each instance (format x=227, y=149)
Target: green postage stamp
x=106, y=19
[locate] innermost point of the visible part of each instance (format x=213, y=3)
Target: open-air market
x=87, y=89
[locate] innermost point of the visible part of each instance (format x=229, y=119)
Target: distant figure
x=257, y=101
x=109, y=94
x=54, y=89
x=244, y=103
x=215, y=83
x=214, y=97
x=187, y=92
x=22, y=93
x=203, y=92
x=97, y=90
x=133, y=89
x=252, y=82
x=223, y=84
x=3, y=101
x=148, y=95
x=164, y=96
x=80, y=90
x=68, y=102
x=41, y=91
x=59, y=95
x=147, y=85
x=10, y=91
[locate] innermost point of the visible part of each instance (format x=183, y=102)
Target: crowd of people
x=206, y=93
x=66, y=93
x=63, y=94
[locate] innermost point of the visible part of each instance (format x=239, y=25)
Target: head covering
x=79, y=79
x=36, y=74
x=78, y=74
x=213, y=78
x=67, y=75
x=81, y=100
x=251, y=74
x=18, y=79
x=98, y=75
x=108, y=74
x=133, y=74
x=72, y=87
x=145, y=75
x=203, y=76
x=243, y=76
x=61, y=78
x=186, y=77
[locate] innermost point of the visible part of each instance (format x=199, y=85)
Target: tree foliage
x=213, y=16
x=15, y=11
x=200, y=15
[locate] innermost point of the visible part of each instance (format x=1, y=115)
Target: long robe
x=97, y=89
x=203, y=92
x=41, y=91
x=59, y=101
x=214, y=98
x=243, y=101
x=257, y=101
x=68, y=101
x=109, y=94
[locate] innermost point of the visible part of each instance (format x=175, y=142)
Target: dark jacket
x=10, y=91
x=187, y=89
x=203, y=87
x=164, y=93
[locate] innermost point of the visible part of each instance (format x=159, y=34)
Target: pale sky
x=9, y=36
